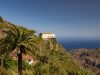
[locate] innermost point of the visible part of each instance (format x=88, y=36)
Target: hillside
x=88, y=58
x=50, y=61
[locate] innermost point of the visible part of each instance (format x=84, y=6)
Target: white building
x=47, y=35
x=29, y=61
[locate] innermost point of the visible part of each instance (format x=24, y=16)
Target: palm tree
x=22, y=40
x=2, y=52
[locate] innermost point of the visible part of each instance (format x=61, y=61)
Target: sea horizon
x=71, y=43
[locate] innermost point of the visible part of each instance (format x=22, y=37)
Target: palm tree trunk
x=20, y=63
x=1, y=61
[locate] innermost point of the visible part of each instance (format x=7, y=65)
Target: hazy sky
x=63, y=17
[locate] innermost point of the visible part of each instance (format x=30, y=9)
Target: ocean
x=74, y=43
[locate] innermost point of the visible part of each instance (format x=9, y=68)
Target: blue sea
x=74, y=43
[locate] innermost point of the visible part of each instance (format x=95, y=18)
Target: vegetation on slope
x=51, y=58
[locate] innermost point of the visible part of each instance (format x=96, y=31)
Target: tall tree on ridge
x=22, y=40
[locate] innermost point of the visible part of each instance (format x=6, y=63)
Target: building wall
x=47, y=35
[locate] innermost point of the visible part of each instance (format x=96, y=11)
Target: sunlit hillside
x=50, y=61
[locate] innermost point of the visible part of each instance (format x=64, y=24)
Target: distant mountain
x=88, y=58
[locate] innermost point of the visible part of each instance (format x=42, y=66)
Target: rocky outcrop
x=88, y=58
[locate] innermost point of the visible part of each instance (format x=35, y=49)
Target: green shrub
x=9, y=62
x=2, y=71
x=1, y=19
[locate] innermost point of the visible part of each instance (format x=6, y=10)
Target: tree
x=22, y=40
x=1, y=19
